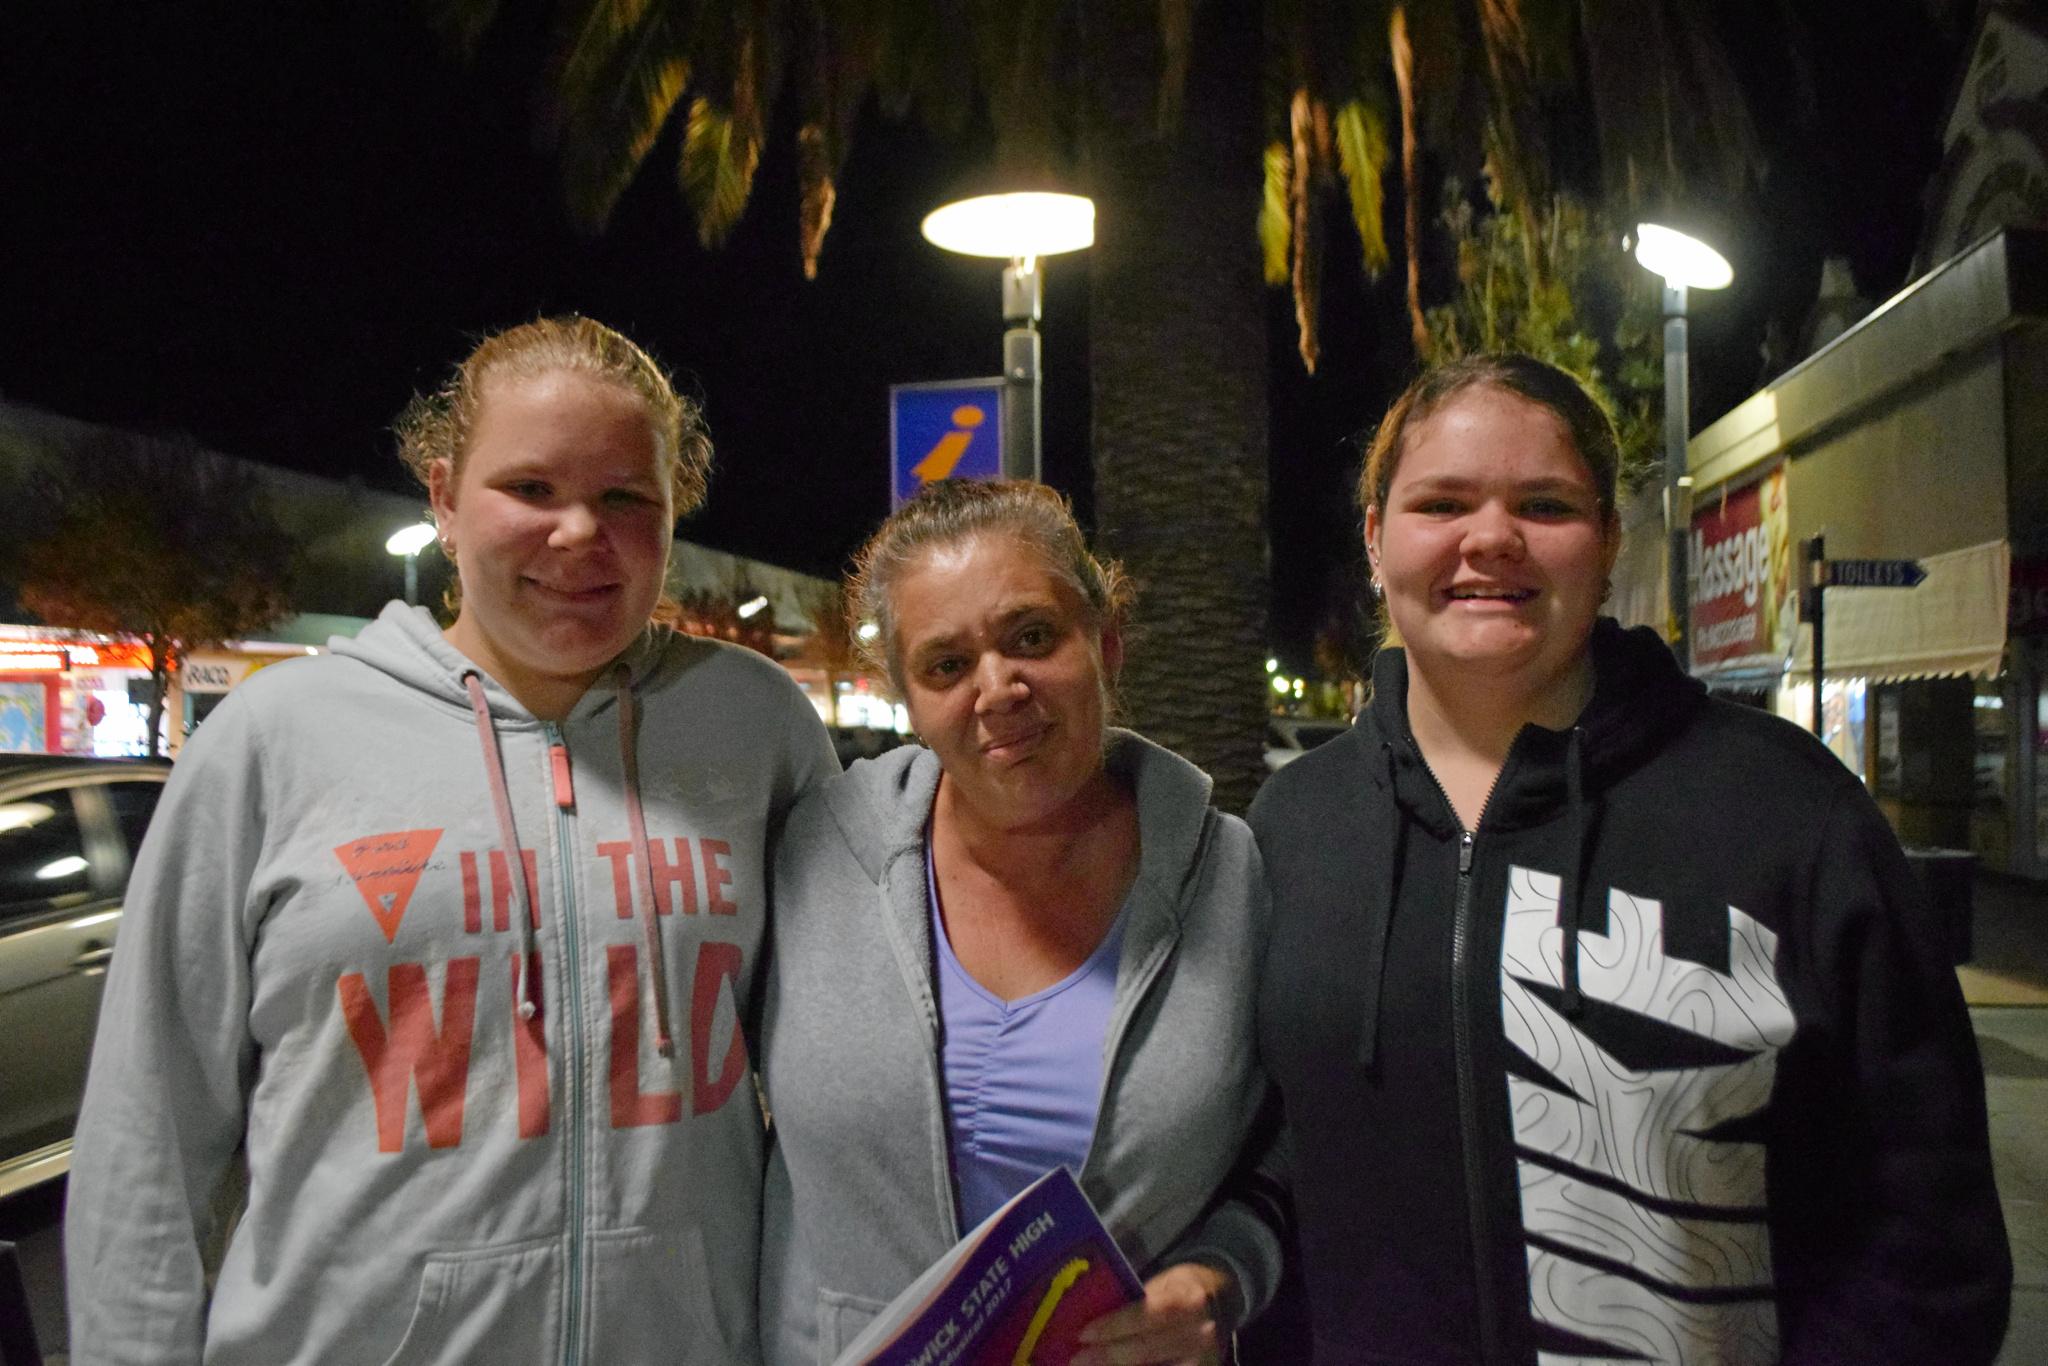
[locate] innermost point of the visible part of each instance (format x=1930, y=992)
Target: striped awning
x=1952, y=624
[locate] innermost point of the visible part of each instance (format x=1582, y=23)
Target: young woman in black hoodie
x=1609, y=1021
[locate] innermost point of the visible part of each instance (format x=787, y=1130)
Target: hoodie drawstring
x=643, y=886
x=501, y=801
x=1572, y=890
x=1375, y=975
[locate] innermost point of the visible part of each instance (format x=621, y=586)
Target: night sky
x=267, y=229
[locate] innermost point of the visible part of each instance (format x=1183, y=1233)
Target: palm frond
x=1309, y=122
x=846, y=40
x=817, y=193
x=1361, y=137
x=716, y=170
x=1276, y=219
x=1521, y=162
x=591, y=35
x=1401, y=47
x=613, y=94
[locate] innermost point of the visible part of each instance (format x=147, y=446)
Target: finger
x=1183, y=1340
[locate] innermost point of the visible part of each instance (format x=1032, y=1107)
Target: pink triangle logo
x=387, y=869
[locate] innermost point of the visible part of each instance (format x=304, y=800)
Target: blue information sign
x=950, y=429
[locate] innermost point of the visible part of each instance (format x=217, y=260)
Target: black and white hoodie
x=1662, y=1062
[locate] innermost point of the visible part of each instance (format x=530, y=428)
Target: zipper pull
x=1464, y=853
x=565, y=789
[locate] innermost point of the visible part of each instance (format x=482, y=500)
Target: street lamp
x=407, y=542
x=1685, y=262
x=1022, y=226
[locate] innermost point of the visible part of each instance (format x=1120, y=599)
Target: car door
x=62, y=866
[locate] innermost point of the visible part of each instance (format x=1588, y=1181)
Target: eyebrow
x=1445, y=483
x=1005, y=619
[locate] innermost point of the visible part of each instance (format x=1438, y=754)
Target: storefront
x=1920, y=434
x=65, y=692
x=73, y=692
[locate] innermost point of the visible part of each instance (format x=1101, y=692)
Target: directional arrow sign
x=1875, y=573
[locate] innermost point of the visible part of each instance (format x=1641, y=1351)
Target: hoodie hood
x=1640, y=696
x=881, y=806
x=406, y=644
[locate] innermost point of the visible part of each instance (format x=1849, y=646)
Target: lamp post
x=1685, y=263
x=407, y=542
x=1023, y=227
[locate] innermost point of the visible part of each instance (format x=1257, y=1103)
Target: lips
x=1013, y=745
x=574, y=593
x=1483, y=592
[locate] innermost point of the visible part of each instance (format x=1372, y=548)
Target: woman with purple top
x=1029, y=942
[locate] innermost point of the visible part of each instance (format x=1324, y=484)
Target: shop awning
x=1954, y=623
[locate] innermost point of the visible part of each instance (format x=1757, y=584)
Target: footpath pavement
x=2006, y=983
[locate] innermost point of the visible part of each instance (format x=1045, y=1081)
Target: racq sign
x=1743, y=588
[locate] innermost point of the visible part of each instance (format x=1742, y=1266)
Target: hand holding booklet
x=1015, y=1292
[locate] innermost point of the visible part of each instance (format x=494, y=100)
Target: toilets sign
x=950, y=429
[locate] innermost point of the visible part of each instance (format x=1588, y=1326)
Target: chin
x=583, y=650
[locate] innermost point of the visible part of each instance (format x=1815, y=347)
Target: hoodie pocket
x=841, y=1319
x=488, y=1304
x=659, y=1298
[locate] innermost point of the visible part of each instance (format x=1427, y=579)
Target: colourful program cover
x=1015, y=1292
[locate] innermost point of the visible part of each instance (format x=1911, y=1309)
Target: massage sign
x=1744, y=603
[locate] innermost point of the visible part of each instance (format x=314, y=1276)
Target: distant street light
x=752, y=605
x=1685, y=262
x=1022, y=226
x=407, y=542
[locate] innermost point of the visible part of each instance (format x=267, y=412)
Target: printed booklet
x=1015, y=1292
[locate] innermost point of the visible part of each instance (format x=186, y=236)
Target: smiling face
x=1005, y=676
x=1492, y=546
x=561, y=520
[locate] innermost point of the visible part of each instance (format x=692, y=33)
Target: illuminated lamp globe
x=1684, y=261
x=410, y=540
x=1013, y=226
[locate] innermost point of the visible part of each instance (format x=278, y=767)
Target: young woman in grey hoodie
x=490, y=1115
x=1027, y=942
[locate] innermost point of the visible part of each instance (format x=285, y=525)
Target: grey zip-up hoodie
x=451, y=1160
x=860, y=1193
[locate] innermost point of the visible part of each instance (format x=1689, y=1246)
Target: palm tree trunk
x=1177, y=358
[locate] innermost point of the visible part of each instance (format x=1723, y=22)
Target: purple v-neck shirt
x=1022, y=1078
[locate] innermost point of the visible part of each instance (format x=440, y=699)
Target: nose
x=998, y=684
x=575, y=525
x=1493, y=532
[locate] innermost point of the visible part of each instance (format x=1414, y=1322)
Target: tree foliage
x=1570, y=296
x=1492, y=87
x=715, y=612
x=155, y=541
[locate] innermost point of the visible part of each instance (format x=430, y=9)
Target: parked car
x=69, y=828
x=1290, y=737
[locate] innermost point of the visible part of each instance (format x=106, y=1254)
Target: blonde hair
x=955, y=510
x=437, y=426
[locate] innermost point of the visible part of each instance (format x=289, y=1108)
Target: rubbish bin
x=1949, y=877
